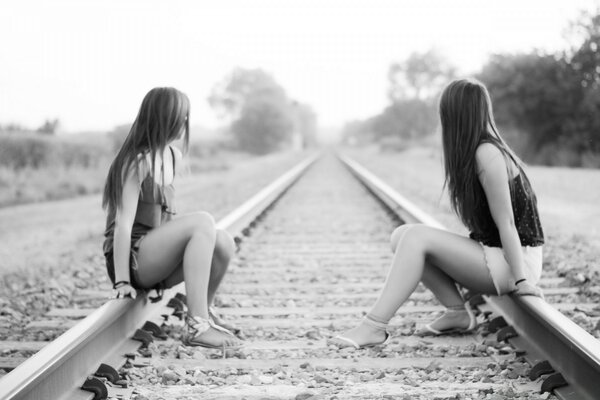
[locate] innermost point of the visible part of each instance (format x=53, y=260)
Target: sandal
x=357, y=346
x=429, y=330
x=220, y=322
x=197, y=326
x=352, y=343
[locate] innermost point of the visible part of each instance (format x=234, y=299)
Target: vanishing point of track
x=306, y=269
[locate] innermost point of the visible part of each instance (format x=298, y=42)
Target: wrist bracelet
x=121, y=283
x=520, y=280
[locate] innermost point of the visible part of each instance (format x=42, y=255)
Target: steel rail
x=58, y=370
x=547, y=332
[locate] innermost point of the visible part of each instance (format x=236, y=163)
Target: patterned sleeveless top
x=527, y=219
x=155, y=207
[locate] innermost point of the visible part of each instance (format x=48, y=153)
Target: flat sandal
x=197, y=326
x=429, y=330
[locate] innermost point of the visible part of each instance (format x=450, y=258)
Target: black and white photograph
x=300, y=200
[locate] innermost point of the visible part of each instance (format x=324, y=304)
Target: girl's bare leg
x=443, y=287
x=417, y=248
x=223, y=252
x=445, y=290
x=436, y=280
x=188, y=241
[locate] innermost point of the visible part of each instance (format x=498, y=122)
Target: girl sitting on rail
x=491, y=194
x=145, y=248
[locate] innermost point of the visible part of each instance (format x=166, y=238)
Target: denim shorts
x=500, y=270
x=133, y=263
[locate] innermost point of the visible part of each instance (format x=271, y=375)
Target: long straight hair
x=467, y=121
x=162, y=117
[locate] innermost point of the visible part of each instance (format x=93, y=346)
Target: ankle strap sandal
x=196, y=326
x=382, y=326
x=429, y=330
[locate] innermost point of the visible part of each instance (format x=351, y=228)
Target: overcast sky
x=89, y=63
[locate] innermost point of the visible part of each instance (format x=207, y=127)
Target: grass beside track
x=568, y=200
x=52, y=250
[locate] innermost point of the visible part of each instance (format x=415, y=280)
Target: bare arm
x=494, y=179
x=125, y=215
x=178, y=157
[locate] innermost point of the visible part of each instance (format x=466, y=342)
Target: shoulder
x=139, y=168
x=144, y=163
x=489, y=158
x=487, y=152
x=178, y=154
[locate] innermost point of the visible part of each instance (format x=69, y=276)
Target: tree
x=420, y=76
x=118, y=135
x=230, y=95
x=259, y=111
x=584, y=55
x=532, y=93
x=406, y=119
x=585, y=62
x=356, y=132
x=414, y=85
x=305, y=123
x=49, y=127
x=13, y=127
x=554, y=100
x=264, y=125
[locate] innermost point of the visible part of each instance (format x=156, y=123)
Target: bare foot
x=363, y=335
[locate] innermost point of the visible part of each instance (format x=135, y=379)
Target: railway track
x=307, y=269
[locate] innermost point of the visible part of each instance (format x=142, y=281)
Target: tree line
x=262, y=117
x=546, y=105
x=49, y=127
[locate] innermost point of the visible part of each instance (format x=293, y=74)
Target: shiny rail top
x=568, y=348
x=58, y=370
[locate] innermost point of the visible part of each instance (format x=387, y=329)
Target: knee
x=201, y=223
x=225, y=245
x=405, y=232
x=397, y=234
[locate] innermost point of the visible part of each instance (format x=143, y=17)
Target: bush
x=561, y=154
x=590, y=160
x=24, y=150
x=35, y=167
x=393, y=144
x=205, y=148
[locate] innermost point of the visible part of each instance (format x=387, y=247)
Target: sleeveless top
x=155, y=207
x=526, y=216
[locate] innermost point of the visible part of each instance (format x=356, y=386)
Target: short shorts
x=133, y=263
x=501, y=272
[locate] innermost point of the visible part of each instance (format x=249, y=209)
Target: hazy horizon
x=89, y=64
